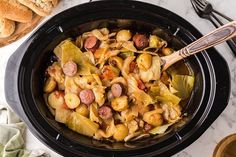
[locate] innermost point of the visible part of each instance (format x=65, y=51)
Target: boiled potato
x=167, y=51
x=116, y=62
x=155, y=41
x=72, y=100
x=71, y=86
x=123, y=35
x=83, y=110
x=144, y=61
x=120, y=103
x=121, y=132
x=62, y=115
x=56, y=99
x=49, y=85
x=153, y=117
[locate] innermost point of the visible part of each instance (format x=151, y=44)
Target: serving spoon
x=213, y=38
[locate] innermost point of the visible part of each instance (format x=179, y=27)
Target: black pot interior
x=78, y=20
x=44, y=60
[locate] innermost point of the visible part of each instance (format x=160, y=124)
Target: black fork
x=205, y=10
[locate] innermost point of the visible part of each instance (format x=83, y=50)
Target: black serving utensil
x=205, y=10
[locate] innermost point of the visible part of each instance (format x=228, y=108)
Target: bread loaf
x=7, y=27
x=40, y=7
x=13, y=10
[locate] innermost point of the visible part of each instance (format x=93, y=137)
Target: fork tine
x=194, y=6
x=199, y=4
x=204, y=2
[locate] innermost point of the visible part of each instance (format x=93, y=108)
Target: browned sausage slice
x=91, y=43
x=70, y=68
x=116, y=90
x=147, y=127
x=140, y=41
x=132, y=66
x=105, y=112
x=86, y=96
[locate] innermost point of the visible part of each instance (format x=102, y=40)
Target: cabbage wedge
x=82, y=125
x=67, y=51
x=183, y=84
x=160, y=92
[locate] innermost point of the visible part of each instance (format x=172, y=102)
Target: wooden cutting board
x=21, y=30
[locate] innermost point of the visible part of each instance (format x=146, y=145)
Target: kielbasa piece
x=140, y=41
x=105, y=112
x=86, y=96
x=147, y=127
x=70, y=68
x=116, y=90
x=141, y=85
x=91, y=43
x=132, y=66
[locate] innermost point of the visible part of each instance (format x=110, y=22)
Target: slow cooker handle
x=11, y=80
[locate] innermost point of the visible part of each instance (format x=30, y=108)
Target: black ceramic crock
x=25, y=75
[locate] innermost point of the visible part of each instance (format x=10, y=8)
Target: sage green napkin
x=11, y=139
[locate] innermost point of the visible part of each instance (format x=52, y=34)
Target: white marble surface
x=223, y=126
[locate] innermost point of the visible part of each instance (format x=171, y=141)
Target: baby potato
x=49, y=85
x=153, y=117
x=121, y=132
x=56, y=99
x=144, y=61
x=82, y=109
x=123, y=35
x=155, y=41
x=120, y=103
x=116, y=62
x=72, y=100
x=167, y=51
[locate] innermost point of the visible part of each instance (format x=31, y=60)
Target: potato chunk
x=56, y=99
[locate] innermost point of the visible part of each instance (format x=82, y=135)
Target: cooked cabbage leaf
x=153, y=73
x=138, y=95
x=160, y=129
x=82, y=124
x=159, y=92
x=67, y=51
x=183, y=84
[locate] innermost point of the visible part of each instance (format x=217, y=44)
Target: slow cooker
x=25, y=75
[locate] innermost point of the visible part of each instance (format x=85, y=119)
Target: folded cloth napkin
x=11, y=136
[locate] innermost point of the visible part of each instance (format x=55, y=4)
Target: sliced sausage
x=86, y=96
x=116, y=90
x=141, y=85
x=105, y=112
x=140, y=41
x=132, y=66
x=91, y=43
x=147, y=127
x=70, y=68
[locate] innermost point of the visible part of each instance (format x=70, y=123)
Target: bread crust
x=13, y=10
x=40, y=7
x=7, y=27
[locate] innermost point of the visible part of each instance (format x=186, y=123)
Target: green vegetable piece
x=183, y=84
x=160, y=129
x=67, y=51
x=160, y=92
x=82, y=124
x=126, y=54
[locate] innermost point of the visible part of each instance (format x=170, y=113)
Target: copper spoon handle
x=215, y=37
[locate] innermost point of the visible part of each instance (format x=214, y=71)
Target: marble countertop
x=224, y=125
